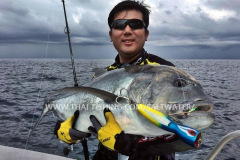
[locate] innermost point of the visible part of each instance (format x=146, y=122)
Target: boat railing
x=230, y=136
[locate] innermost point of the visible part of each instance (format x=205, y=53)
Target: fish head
x=174, y=93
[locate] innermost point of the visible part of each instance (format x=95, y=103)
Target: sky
x=179, y=29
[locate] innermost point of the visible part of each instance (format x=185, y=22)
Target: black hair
x=130, y=5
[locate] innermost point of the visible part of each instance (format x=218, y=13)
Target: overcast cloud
x=178, y=28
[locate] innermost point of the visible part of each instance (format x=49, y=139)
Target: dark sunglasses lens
x=136, y=24
x=119, y=24
x=133, y=23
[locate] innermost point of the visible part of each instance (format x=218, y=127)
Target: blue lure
x=187, y=134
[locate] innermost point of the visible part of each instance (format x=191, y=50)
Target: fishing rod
x=67, y=31
x=84, y=140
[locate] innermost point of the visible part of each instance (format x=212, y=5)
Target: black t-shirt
x=142, y=59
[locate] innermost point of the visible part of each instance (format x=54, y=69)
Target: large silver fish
x=167, y=89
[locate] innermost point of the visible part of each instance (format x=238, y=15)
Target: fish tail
x=45, y=110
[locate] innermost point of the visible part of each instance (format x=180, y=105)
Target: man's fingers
x=93, y=131
x=106, y=110
x=57, y=126
x=76, y=135
x=95, y=122
x=109, y=116
x=76, y=114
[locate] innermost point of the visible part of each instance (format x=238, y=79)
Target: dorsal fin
x=65, y=92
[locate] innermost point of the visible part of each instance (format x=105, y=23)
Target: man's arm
x=128, y=144
x=142, y=148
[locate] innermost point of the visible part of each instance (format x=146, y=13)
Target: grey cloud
x=160, y=5
x=212, y=28
x=193, y=52
x=20, y=25
x=224, y=4
x=199, y=9
x=9, y=9
x=91, y=43
x=56, y=51
x=233, y=20
x=164, y=21
x=204, y=46
x=29, y=23
x=93, y=26
x=198, y=28
x=168, y=12
x=90, y=4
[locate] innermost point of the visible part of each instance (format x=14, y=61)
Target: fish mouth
x=197, y=116
x=207, y=107
x=186, y=109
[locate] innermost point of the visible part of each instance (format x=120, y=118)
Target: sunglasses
x=133, y=23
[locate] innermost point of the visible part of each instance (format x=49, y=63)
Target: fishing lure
x=187, y=134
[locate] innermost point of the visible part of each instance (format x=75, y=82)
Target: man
x=128, y=22
x=129, y=37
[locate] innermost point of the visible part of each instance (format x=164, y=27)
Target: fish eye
x=180, y=83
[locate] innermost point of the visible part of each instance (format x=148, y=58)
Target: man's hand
x=108, y=134
x=65, y=132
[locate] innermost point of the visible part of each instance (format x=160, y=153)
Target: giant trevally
x=167, y=89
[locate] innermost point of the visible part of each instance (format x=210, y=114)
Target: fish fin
x=104, y=95
x=99, y=71
x=45, y=110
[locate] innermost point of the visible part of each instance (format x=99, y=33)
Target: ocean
x=24, y=83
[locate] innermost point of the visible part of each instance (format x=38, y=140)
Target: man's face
x=128, y=42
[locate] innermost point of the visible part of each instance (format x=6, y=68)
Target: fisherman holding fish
x=128, y=22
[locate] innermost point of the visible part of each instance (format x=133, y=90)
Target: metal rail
x=230, y=136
